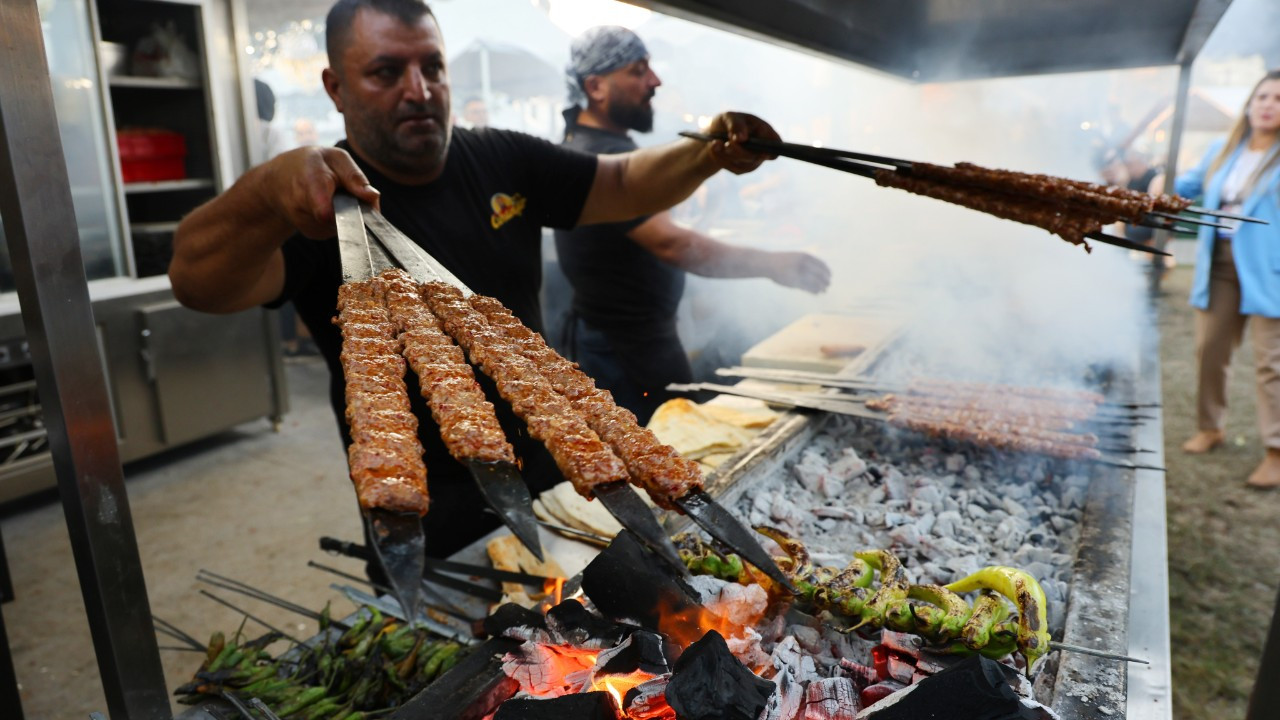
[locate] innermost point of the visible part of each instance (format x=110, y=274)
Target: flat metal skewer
x=1127, y=244
x=1183, y=218
x=1229, y=216
x=624, y=504
x=1055, y=645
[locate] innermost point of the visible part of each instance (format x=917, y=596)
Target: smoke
x=979, y=298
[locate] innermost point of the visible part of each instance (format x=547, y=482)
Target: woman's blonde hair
x=1239, y=134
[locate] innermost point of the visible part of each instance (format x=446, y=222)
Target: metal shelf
x=167, y=186
x=157, y=83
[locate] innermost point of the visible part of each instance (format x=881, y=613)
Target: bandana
x=598, y=51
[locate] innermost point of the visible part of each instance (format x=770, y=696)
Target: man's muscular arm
x=650, y=180
x=226, y=253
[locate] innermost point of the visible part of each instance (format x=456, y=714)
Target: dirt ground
x=1224, y=537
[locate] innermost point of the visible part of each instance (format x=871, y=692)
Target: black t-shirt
x=482, y=218
x=616, y=283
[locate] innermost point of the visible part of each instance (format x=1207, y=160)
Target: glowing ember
x=618, y=685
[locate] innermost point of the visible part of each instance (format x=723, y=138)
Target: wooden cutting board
x=820, y=343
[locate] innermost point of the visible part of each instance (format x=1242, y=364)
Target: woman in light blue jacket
x=1237, y=276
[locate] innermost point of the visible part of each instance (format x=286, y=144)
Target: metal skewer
x=452, y=612
x=1183, y=218
x=1055, y=645
x=251, y=616
x=226, y=583
x=590, y=537
x=1229, y=216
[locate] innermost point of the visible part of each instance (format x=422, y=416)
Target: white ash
x=945, y=513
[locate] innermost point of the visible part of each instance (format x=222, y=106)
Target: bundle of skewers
x=1074, y=210
x=1057, y=423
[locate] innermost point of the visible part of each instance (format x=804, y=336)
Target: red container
x=151, y=155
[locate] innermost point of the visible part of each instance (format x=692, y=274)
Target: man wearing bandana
x=628, y=277
x=476, y=200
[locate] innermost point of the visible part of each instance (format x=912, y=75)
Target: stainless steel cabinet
x=173, y=375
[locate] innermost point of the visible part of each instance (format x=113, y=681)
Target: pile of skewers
x=1074, y=210
x=374, y=664
x=1057, y=423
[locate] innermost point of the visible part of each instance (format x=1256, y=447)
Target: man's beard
x=401, y=149
x=637, y=117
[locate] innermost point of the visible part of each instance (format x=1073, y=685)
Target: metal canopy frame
x=44, y=246
x=941, y=40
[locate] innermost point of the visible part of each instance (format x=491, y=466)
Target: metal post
x=1179, y=123
x=1265, y=701
x=44, y=246
x=10, y=698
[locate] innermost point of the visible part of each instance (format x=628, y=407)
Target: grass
x=1224, y=537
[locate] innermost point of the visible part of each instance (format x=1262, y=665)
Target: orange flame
x=618, y=685
x=553, y=588
x=687, y=626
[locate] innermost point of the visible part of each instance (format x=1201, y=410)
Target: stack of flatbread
x=712, y=432
x=564, y=506
x=709, y=434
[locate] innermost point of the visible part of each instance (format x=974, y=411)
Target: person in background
x=1237, y=278
x=475, y=114
x=628, y=277
x=304, y=132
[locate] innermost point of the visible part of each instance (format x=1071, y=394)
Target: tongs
x=867, y=165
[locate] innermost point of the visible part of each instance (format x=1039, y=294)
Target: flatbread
x=506, y=552
x=687, y=427
x=753, y=418
x=589, y=515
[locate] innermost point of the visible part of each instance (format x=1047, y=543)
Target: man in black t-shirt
x=475, y=200
x=628, y=277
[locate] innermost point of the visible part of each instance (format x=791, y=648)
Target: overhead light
x=575, y=16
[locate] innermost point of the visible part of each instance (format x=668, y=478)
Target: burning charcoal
x=847, y=466
x=579, y=706
x=648, y=700
x=861, y=675
x=901, y=670
x=642, y=650
x=626, y=580
x=786, y=701
x=543, y=669
x=574, y=624
x=512, y=615
x=873, y=694
x=709, y=683
x=974, y=689
x=895, y=485
x=830, y=699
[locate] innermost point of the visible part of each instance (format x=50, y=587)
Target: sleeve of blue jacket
x=1190, y=184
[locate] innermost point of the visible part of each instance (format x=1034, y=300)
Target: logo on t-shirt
x=505, y=207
